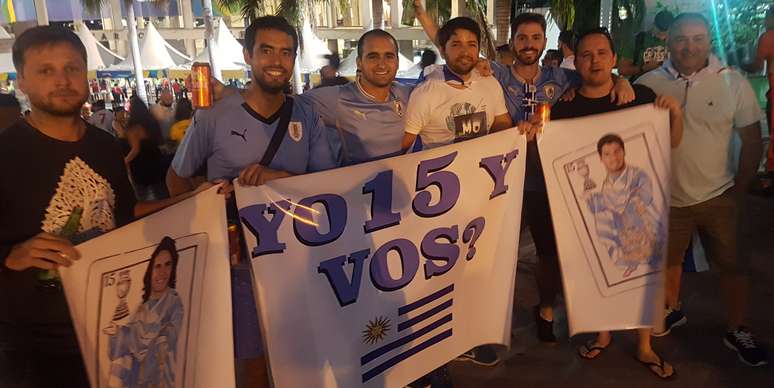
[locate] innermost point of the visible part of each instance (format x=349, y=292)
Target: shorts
x=716, y=221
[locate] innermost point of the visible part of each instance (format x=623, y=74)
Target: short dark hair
x=663, y=20
x=166, y=244
x=458, y=23
x=597, y=31
x=428, y=58
x=183, y=110
x=528, y=17
x=610, y=138
x=98, y=105
x=269, y=23
x=377, y=32
x=503, y=48
x=44, y=36
x=553, y=54
x=568, y=37
x=8, y=101
x=688, y=17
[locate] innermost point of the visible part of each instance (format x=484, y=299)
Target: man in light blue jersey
x=365, y=118
x=526, y=85
x=258, y=134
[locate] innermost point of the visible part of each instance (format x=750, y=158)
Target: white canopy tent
x=156, y=53
x=313, y=55
x=222, y=63
x=99, y=56
x=227, y=49
x=416, y=69
x=6, y=63
x=349, y=64
x=4, y=34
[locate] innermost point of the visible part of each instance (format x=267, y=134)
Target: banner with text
x=375, y=274
x=608, y=185
x=150, y=301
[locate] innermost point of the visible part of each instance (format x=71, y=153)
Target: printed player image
x=618, y=206
x=625, y=217
x=144, y=349
x=146, y=313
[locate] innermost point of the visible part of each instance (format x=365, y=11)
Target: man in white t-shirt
x=461, y=105
x=707, y=190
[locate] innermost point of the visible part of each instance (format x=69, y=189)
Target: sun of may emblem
x=376, y=330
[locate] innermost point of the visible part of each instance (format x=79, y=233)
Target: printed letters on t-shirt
x=469, y=126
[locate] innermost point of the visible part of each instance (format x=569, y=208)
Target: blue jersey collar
x=448, y=75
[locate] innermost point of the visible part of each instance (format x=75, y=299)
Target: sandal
x=589, y=347
x=660, y=365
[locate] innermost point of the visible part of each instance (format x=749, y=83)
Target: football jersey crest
x=296, y=130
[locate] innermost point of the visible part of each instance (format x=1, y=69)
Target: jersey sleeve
x=323, y=101
x=747, y=110
x=416, y=112
x=321, y=155
x=499, y=100
x=500, y=72
x=196, y=145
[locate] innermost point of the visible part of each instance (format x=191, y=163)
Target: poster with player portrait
x=613, y=189
x=608, y=185
x=150, y=300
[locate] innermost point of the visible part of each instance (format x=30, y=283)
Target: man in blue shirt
x=365, y=118
x=236, y=138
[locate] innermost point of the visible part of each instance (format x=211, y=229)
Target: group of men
x=260, y=134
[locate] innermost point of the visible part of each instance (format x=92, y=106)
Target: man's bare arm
x=501, y=122
x=428, y=24
x=752, y=151
x=176, y=184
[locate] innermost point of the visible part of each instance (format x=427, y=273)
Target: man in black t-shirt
x=62, y=181
x=594, y=61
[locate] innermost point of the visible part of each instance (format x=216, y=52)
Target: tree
x=96, y=5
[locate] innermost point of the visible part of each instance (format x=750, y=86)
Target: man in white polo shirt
x=462, y=105
x=717, y=102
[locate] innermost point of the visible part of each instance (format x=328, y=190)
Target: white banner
x=151, y=301
x=375, y=274
x=610, y=209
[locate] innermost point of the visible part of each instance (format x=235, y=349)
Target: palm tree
x=96, y=5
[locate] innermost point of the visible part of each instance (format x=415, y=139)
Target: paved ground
x=696, y=350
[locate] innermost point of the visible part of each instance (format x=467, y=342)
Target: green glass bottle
x=50, y=278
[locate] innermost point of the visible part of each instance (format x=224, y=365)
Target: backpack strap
x=279, y=132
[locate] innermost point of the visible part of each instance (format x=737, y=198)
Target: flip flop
x=589, y=347
x=659, y=365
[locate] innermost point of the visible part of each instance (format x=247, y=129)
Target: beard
x=461, y=68
x=522, y=58
x=272, y=87
x=270, y=84
x=58, y=108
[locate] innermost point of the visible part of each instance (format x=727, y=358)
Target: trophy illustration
x=122, y=290
x=582, y=169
